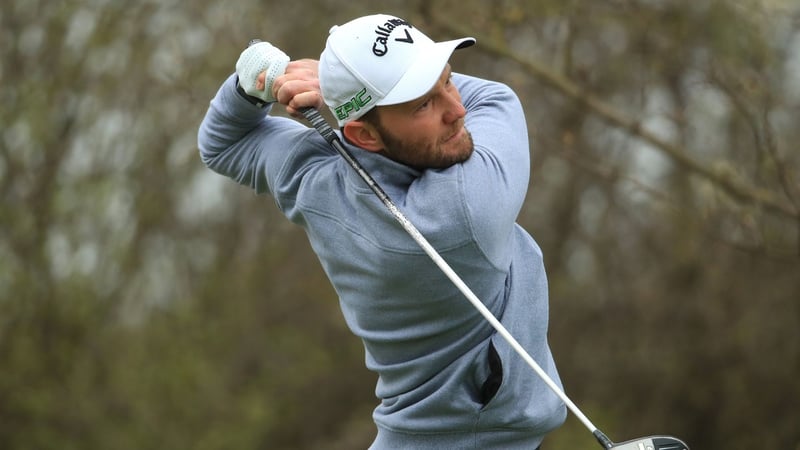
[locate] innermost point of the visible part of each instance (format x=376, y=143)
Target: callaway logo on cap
x=379, y=60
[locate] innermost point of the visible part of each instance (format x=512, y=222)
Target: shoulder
x=477, y=93
x=469, y=83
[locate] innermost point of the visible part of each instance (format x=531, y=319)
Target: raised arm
x=237, y=137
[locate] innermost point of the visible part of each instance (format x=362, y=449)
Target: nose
x=454, y=110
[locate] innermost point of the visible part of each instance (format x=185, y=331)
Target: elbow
x=205, y=156
x=206, y=148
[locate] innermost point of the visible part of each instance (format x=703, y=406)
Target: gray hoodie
x=429, y=346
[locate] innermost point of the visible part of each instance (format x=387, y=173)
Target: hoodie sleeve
x=494, y=181
x=245, y=143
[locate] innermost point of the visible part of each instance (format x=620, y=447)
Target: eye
x=424, y=105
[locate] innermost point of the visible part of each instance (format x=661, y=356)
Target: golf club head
x=652, y=443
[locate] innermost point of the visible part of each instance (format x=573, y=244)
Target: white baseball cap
x=379, y=60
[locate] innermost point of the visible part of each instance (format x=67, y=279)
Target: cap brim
x=422, y=75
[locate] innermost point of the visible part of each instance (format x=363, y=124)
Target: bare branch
x=678, y=154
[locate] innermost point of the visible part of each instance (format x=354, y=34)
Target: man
x=452, y=152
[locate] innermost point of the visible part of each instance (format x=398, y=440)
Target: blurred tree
x=148, y=303
x=666, y=166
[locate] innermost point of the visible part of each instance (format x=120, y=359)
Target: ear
x=363, y=135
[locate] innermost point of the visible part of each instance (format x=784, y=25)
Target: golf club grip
x=327, y=133
x=319, y=122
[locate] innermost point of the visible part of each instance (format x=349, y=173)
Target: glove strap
x=254, y=100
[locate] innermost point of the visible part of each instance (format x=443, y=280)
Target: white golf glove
x=257, y=58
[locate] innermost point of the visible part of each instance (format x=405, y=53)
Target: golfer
x=452, y=152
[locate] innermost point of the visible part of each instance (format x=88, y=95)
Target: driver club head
x=652, y=443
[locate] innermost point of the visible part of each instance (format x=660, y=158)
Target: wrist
x=254, y=100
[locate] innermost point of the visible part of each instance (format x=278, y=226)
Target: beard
x=422, y=154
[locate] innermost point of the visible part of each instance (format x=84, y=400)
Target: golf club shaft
x=316, y=119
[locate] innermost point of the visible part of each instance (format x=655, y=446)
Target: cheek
x=420, y=132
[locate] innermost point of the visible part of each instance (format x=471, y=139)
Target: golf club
x=645, y=443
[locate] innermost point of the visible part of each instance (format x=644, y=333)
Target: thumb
x=260, y=80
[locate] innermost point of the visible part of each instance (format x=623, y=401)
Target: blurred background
x=148, y=303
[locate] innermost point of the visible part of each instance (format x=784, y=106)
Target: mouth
x=455, y=135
